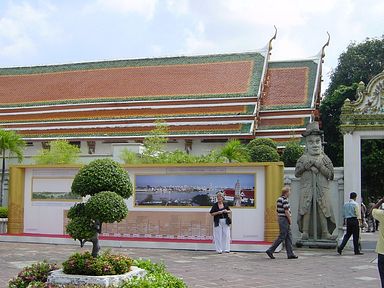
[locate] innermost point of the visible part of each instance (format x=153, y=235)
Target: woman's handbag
x=228, y=220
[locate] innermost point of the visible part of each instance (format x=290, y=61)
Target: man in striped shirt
x=285, y=220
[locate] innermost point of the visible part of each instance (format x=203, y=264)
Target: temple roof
x=240, y=95
x=290, y=100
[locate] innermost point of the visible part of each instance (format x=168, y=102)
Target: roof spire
x=323, y=48
x=270, y=41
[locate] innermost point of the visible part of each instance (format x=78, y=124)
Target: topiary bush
x=107, y=184
x=102, y=175
x=3, y=212
x=292, y=153
x=264, y=153
x=33, y=276
x=262, y=141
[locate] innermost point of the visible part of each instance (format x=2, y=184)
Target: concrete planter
x=3, y=225
x=58, y=277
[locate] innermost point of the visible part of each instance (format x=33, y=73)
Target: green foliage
x=360, y=62
x=264, y=153
x=3, y=212
x=102, y=175
x=81, y=228
x=13, y=143
x=262, y=141
x=108, y=184
x=176, y=156
x=292, y=153
x=129, y=157
x=372, y=167
x=263, y=150
x=59, y=152
x=156, y=277
x=330, y=110
x=155, y=143
x=234, y=151
x=33, y=276
x=214, y=156
x=104, y=264
x=106, y=207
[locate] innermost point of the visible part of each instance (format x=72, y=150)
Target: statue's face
x=314, y=144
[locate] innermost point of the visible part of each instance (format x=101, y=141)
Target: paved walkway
x=314, y=268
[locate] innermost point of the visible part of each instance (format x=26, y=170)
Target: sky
x=47, y=32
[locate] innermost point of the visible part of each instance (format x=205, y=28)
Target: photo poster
x=195, y=190
x=53, y=189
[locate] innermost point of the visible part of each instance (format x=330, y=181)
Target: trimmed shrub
x=264, y=153
x=292, y=153
x=262, y=141
x=108, y=184
x=102, y=175
x=107, y=207
x=3, y=212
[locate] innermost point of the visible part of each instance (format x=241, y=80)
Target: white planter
x=58, y=277
x=3, y=225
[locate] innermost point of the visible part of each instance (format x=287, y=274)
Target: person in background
x=352, y=216
x=370, y=220
x=284, y=218
x=221, y=224
x=363, y=211
x=378, y=214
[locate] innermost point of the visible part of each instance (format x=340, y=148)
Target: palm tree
x=234, y=151
x=9, y=141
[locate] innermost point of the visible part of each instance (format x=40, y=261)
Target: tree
x=155, y=143
x=12, y=143
x=234, y=151
x=360, y=62
x=372, y=167
x=330, y=110
x=107, y=184
x=59, y=152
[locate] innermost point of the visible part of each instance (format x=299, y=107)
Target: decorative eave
x=367, y=111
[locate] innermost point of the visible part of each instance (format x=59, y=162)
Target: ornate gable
x=367, y=110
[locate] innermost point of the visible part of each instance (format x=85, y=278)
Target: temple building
x=204, y=100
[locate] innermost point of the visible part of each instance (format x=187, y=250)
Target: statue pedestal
x=311, y=243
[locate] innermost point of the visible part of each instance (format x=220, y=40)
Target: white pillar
x=352, y=165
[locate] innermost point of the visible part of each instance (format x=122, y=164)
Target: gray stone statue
x=315, y=218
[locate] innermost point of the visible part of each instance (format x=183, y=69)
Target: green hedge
x=3, y=212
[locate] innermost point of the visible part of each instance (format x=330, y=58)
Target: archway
x=360, y=120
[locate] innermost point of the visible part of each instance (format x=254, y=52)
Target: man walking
x=352, y=215
x=378, y=214
x=284, y=219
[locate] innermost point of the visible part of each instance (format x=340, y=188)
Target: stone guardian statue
x=315, y=170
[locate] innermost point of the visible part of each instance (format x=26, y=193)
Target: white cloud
x=178, y=7
x=279, y=12
x=196, y=41
x=22, y=25
x=145, y=8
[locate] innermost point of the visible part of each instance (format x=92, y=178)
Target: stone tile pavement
x=203, y=269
